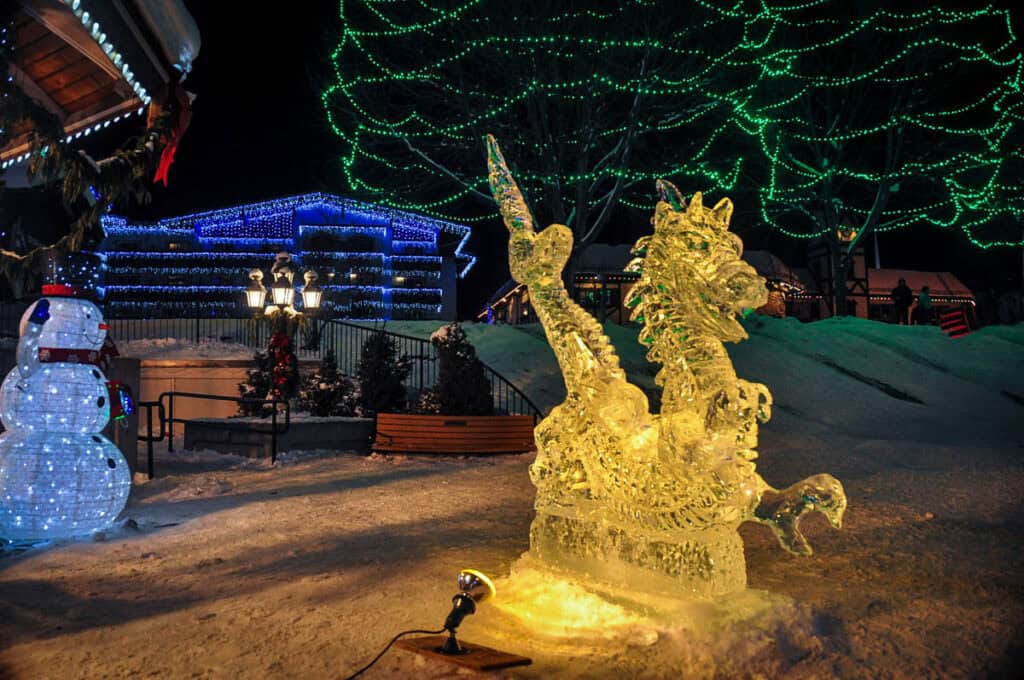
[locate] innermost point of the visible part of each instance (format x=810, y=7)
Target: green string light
x=789, y=105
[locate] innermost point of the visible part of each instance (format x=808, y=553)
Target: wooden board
x=477, y=657
x=453, y=434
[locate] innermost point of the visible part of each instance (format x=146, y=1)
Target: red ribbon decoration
x=183, y=99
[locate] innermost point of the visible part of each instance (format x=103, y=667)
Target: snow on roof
x=772, y=268
x=174, y=28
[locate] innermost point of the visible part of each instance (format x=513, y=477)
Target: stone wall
x=247, y=436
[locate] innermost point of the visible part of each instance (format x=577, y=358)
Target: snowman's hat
x=60, y=290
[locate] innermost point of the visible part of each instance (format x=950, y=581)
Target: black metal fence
x=247, y=332
x=347, y=339
x=316, y=337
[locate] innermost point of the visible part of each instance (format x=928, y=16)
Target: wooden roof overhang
x=89, y=63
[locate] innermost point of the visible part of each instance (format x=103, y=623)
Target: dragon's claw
x=782, y=509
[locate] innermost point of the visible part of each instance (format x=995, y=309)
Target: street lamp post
x=281, y=296
x=255, y=294
x=311, y=292
x=312, y=295
x=282, y=292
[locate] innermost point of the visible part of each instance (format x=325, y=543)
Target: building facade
x=373, y=262
x=601, y=287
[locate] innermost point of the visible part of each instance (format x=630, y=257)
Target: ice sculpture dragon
x=625, y=496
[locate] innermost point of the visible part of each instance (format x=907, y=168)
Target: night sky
x=259, y=131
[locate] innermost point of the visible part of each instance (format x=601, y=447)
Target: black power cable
x=384, y=651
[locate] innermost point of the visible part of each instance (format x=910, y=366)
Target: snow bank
x=173, y=348
x=860, y=378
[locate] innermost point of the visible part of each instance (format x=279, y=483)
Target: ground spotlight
x=474, y=588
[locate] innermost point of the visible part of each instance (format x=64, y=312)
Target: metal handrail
x=149, y=438
x=170, y=419
x=344, y=336
x=508, y=386
x=500, y=385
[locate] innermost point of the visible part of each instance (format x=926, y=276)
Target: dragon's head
x=692, y=276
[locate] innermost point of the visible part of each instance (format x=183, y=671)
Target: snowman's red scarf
x=71, y=355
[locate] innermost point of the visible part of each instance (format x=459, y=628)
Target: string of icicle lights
x=802, y=109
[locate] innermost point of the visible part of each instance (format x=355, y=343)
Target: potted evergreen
x=381, y=375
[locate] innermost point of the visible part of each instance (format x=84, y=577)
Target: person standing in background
x=923, y=311
x=902, y=297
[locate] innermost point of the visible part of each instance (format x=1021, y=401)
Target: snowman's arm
x=28, y=344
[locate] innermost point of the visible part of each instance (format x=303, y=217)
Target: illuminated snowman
x=59, y=476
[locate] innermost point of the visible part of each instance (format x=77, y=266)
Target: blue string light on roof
x=341, y=255
x=400, y=254
x=342, y=231
x=163, y=289
x=416, y=292
x=143, y=255
x=419, y=259
x=252, y=241
x=406, y=244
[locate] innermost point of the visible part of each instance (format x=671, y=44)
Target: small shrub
x=462, y=387
x=275, y=375
x=256, y=386
x=326, y=392
x=285, y=367
x=381, y=375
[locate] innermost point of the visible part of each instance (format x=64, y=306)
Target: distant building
x=945, y=290
x=781, y=281
x=374, y=262
x=600, y=287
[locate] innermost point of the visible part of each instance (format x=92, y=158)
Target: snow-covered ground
x=232, y=569
x=175, y=348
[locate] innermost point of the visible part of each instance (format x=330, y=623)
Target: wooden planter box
x=410, y=433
